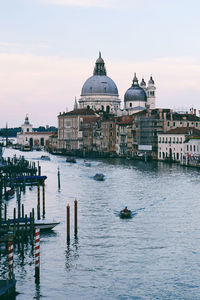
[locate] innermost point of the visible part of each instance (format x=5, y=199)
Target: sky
x=48, y=49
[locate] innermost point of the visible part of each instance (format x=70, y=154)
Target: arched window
x=88, y=107
x=102, y=107
x=130, y=104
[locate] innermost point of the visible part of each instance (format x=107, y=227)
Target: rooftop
x=184, y=130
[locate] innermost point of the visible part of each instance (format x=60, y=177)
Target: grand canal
x=154, y=255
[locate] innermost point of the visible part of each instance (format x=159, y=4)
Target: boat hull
x=125, y=215
x=41, y=224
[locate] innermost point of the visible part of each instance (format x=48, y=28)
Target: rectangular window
x=194, y=148
x=190, y=147
x=187, y=148
x=174, y=123
x=159, y=154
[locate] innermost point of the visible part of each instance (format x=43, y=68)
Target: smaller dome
x=151, y=81
x=135, y=92
x=143, y=83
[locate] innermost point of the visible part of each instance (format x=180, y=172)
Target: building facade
x=171, y=144
x=33, y=139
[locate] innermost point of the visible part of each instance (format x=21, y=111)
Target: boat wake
x=136, y=211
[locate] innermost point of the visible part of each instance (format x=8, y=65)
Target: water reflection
x=71, y=253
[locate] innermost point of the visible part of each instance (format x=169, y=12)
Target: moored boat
x=9, y=194
x=71, y=160
x=41, y=224
x=45, y=157
x=28, y=180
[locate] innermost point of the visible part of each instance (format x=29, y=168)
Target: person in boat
x=126, y=209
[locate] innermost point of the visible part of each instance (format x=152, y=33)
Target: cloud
x=45, y=85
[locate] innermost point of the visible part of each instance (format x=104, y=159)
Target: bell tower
x=151, y=96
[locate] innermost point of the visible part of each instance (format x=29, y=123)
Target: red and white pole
x=37, y=252
x=10, y=260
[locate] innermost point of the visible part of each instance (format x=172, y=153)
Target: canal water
x=154, y=255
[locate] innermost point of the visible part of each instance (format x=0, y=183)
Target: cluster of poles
x=21, y=231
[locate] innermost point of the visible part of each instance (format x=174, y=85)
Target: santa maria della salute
x=100, y=92
x=101, y=125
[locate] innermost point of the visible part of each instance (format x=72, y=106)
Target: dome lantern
x=99, y=68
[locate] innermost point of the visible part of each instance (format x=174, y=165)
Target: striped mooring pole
x=10, y=260
x=37, y=252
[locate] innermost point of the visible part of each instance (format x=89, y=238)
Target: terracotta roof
x=188, y=117
x=184, y=130
x=79, y=111
x=90, y=119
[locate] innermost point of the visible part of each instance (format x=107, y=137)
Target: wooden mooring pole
x=10, y=260
x=38, y=204
x=75, y=217
x=43, y=199
x=68, y=222
x=37, y=253
x=58, y=178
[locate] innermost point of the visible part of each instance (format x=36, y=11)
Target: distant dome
x=135, y=92
x=99, y=83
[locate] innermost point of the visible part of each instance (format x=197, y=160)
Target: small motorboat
x=87, y=164
x=71, y=160
x=45, y=157
x=99, y=177
x=125, y=213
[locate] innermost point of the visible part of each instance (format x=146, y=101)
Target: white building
x=192, y=148
x=171, y=143
x=28, y=137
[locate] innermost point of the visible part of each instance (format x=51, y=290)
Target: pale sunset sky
x=48, y=49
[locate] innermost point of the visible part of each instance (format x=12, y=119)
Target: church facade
x=100, y=92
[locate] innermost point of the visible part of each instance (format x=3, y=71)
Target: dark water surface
x=154, y=255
